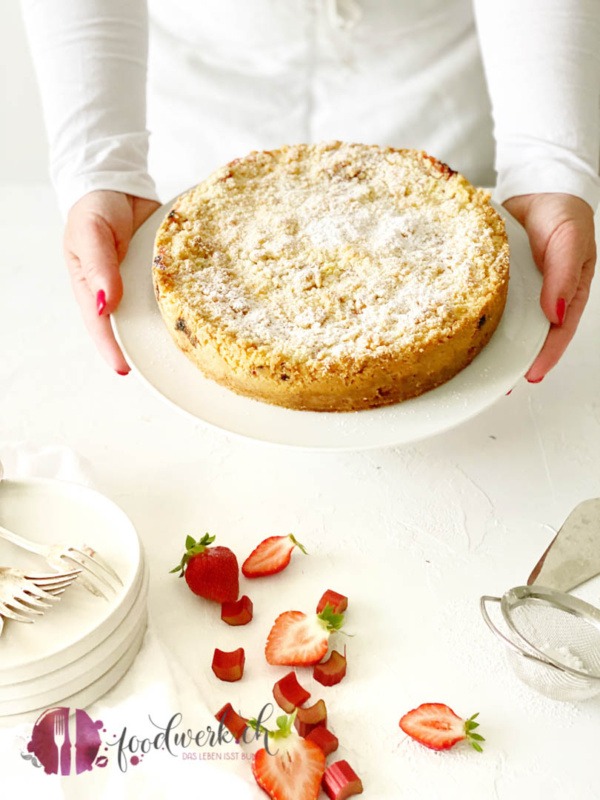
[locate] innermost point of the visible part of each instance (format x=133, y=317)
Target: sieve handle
x=497, y=632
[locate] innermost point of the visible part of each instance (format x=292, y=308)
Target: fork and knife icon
x=62, y=738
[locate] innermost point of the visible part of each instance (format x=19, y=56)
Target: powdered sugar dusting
x=333, y=251
x=564, y=656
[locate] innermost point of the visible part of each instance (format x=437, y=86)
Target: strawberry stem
x=192, y=548
x=333, y=621
x=284, y=724
x=297, y=543
x=472, y=737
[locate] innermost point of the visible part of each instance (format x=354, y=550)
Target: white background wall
x=22, y=137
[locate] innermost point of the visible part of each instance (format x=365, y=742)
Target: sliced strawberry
x=235, y=724
x=340, y=781
x=296, y=767
x=338, y=602
x=229, y=666
x=298, y=640
x=324, y=738
x=289, y=694
x=331, y=671
x=438, y=727
x=307, y=719
x=237, y=613
x=271, y=556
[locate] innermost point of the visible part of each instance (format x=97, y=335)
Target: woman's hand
x=98, y=231
x=561, y=234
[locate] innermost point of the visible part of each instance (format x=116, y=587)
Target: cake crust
x=332, y=277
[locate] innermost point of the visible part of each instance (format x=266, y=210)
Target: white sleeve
x=90, y=58
x=542, y=62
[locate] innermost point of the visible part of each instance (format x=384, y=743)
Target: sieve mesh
x=554, y=645
x=568, y=638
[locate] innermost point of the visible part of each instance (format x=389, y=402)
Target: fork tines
x=26, y=597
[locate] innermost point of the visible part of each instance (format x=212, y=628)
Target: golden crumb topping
x=332, y=251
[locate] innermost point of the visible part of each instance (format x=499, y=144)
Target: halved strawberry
x=288, y=693
x=339, y=602
x=296, y=767
x=331, y=671
x=235, y=724
x=438, y=727
x=322, y=736
x=271, y=556
x=340, y=781
x=228, y=666
x=237, y=613
x=307, y=719
x=299, y=640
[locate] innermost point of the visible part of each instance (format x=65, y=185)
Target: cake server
x=573, y=556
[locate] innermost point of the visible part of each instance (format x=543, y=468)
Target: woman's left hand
x=561, y=234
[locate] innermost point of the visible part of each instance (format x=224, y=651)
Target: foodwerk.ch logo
x=65, y=742
x=68, y=741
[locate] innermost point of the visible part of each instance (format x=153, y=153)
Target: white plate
x=156, y=359
x=58, y=511
x=52, y=697
x=52, y=686
x=88, y=695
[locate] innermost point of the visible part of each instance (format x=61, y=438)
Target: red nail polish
x=561, y=308
x=101, y=301
x=122, y=372
x=509, y=392
x=537, y=380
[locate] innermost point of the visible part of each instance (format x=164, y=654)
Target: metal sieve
x=554, y=645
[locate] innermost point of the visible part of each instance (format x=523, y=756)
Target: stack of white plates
x=84, y=644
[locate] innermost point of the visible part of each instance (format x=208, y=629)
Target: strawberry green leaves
x=192, y=548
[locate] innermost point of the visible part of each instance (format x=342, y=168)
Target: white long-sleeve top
x=462, y=79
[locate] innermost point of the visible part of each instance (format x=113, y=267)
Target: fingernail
x=537, y=380
x=561, y=308
x=101, y=301
x=122, y=372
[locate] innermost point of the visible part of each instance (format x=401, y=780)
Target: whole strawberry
x=211, y=572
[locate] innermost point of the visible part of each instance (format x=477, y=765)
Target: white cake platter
x=158, y=362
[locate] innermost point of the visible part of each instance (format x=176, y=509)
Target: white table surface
x=414, y=535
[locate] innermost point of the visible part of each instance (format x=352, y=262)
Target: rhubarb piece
x=271, y=556
x=307, y=719
x=332, y=670
x=338, y=602
x=228, y=666
x=301, y=640
x=237, y=613
x=324, y=738
x=340, y=781
x=289, y=694
x=235, y=724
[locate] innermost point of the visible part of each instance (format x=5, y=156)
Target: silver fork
x=60, y=737
x=98, y=577
x=25, y=597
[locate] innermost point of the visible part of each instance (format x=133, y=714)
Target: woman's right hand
x=98, y=231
